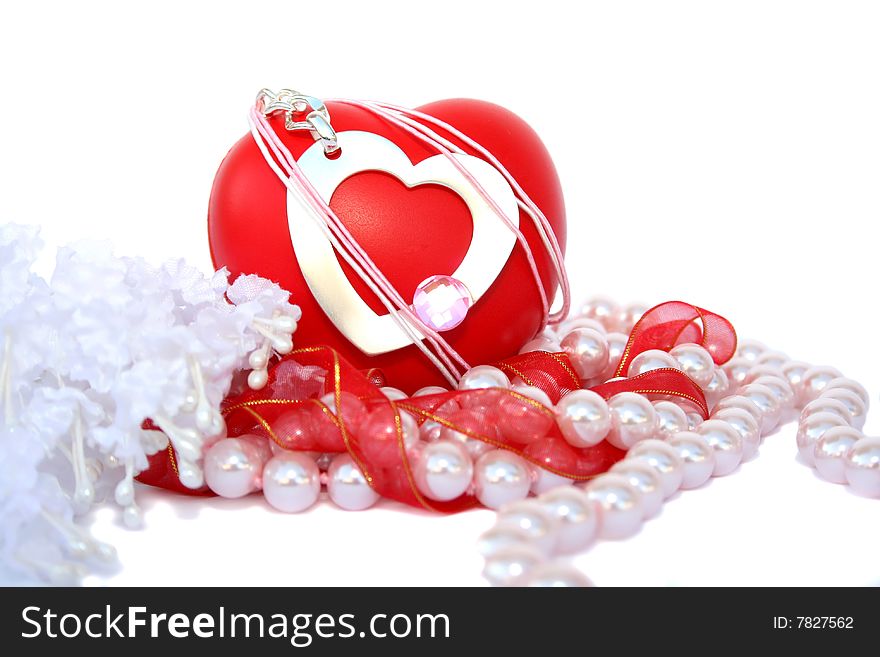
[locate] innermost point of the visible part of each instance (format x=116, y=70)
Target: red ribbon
x=494, y=416
x=551, y=372
x=677, y=322
x=662, y=327
x=661, y=382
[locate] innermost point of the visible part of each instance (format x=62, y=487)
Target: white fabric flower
x=86, y=358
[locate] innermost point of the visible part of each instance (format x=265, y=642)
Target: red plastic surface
x=410, y=233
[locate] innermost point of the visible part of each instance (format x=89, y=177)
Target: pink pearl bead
x=616, y=346
x=430, y=431
x=744, y=424
x=646, y=480
x=621, y=504
x=539, y=524
x=812, y=429
x=765, y=399
x=823, y=405
x=584, y=418
x=773, y=359
x=750, y=350
x=726, y=443
x=670, y=418
x=664, y=459
x=862, y=467
x=744, y=403
x=694, y=361
x=532, y=392
x=588, y=351
x=633, y=419
x=694, y=420
x=392, y=393
x=698, y=458
x=443, y=471
x=854, y=404
x=843, y=383
x=541, y=344
x=737, y=369
x=544, y=481
x=501, y=477
x=482, y=377
x=794, y=371
x=291, y=482
x=780, y=388
x=649, y=360
x=717, y=387
x=513, y=566
x=601, y=309
x=815, y=380
x=763, y=370
x=347, y=486
x=829, y=452
x=233, y=467
x=578, y=518
x=628, y=317
x=569, y=325
x=429, y=390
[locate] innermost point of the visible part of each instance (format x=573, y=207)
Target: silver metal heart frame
x=491, y=244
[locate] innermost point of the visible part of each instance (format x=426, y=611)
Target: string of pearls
x=670, y=448
x=448, y=463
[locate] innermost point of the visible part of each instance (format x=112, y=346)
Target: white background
x=725, y=154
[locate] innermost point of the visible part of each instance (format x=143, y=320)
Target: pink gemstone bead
x=442, y=302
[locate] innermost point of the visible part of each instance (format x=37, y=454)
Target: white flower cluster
x=91, y=354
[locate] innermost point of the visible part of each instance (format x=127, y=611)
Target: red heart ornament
x=410, y=233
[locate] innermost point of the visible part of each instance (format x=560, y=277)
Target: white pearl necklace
x=680, y=451
x=669, y=446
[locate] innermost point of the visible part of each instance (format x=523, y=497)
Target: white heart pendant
x=490, y=247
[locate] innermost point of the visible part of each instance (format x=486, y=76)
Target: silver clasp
x=301, y=112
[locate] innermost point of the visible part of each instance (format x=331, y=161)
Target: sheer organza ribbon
x=298, y=409
x=676, y=322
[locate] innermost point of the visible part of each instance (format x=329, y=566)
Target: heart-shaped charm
x=490, y=247
x=437, y=225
